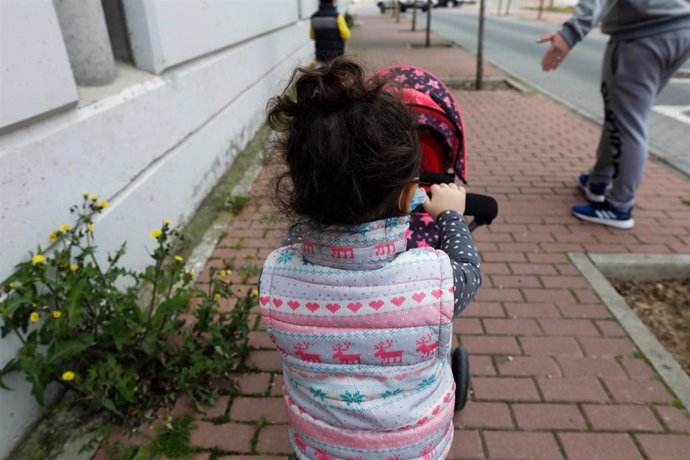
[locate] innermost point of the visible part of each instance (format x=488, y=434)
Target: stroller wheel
x=461, y=374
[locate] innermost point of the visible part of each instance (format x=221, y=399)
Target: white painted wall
x=164, y=33
x=153, y=148
x=35, y=75
x=307, y=8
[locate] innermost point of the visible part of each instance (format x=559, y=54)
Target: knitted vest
x=364, y=328
x=327, y=39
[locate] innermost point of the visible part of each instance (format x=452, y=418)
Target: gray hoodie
x=626, y=19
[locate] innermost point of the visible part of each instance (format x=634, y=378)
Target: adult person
x=649, y=41
x=329, y=31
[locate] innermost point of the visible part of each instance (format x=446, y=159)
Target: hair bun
x=330, y=87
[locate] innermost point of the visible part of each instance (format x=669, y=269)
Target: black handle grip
x=483, y=208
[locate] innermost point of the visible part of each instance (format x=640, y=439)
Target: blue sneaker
x=596, y=193
x=604, y=214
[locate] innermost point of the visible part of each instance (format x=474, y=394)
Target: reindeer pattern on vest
x=364, y=329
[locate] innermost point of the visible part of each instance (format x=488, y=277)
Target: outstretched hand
x=556, y=53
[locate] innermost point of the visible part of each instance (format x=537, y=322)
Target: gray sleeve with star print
x=456, y=241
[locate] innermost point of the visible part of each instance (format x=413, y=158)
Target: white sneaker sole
x=591, y=196
x=621, y=224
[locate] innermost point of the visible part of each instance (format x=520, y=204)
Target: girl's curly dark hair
x=349, y=145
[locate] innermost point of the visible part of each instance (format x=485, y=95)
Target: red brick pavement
x=553, y=374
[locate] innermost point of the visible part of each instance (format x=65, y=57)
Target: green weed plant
x=84, y=324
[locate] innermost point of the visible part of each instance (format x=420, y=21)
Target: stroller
x=440, y=131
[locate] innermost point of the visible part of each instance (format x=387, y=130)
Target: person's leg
x=631, y=90
x=602, y=171
x=640, y=69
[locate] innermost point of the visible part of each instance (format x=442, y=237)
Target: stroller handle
x=483, y=208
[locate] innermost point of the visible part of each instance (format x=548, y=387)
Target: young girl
x=363, y=325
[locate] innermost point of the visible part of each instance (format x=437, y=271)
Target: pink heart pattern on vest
x=333, y=307
x=397, y=301
x=354, y=306
x=376, y=304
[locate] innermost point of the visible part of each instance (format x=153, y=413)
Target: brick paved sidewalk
x=554, y=376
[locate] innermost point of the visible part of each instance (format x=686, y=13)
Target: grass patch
x=255, y=439
x=172, y=439
x=248, y=271
x=551, y=9
x=235, y=204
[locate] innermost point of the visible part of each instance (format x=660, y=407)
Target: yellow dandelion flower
x=85, y=194
x=179, y=259
x=94, y=197
x=216, y=297
x=12, y=285
x=38, y=259
x=223, y=273
x=155, y=233
x=167, y=222
x=241, y=289
x=68, y=376
x=255, y=292
x=104, y=204
x=53, y=236
x=57, y=314
x=192, y=273
x=64, y=228
x=74, y=267
x=34, y=317
x=90, y=228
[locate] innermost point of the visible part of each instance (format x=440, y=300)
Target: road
x=511, y=44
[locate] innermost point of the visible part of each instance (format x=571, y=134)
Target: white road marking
x=677, y=112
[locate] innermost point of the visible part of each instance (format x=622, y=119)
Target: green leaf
x=65, y=350
x=11, y=366
x=11, y=305
x=108, y=404
x=143, y=454
x=121, y=334
x=167, y=308
x=73, y=305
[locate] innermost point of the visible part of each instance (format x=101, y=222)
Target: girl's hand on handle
x=445, y=197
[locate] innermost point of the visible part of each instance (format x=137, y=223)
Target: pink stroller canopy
x=438, y=116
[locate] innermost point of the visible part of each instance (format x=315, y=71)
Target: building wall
x=153, y=142
x=35, y=76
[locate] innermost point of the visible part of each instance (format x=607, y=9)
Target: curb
x=662, y=361
x=202, y=252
